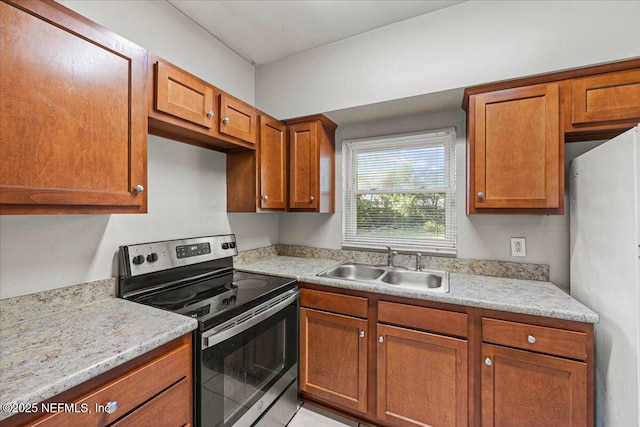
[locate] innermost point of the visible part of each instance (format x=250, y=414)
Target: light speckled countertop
x=41, y=357
x=514, y=295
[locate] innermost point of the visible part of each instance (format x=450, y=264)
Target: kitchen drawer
x=336, y=303
x=541, y=339
x=166, y=410
x=423, y=318
x=129, y=391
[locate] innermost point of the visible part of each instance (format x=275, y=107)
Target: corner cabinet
x=515, y=151
x=292, y=169
x=311, y=164
x=73, y=114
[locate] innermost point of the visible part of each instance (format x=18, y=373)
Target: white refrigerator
x=605, y=269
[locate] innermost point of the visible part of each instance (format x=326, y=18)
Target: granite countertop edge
x=511, y=295
x=101, y=355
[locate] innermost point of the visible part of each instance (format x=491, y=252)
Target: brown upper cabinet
x=257, y=180
x=604, y=102
x=311, y=164
x=516, y=150
x=184, y=96
x=292, y=168
x=272, y=155
x=238, y=119
x=187, y=109
x=516, y=132
x=73, y=116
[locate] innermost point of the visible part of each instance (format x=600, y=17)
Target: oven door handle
x=246, y=320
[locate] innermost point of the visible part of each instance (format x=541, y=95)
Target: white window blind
x=400, y=191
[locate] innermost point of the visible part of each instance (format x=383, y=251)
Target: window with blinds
x=400, y=191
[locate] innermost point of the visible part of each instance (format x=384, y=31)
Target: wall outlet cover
x=518, y=246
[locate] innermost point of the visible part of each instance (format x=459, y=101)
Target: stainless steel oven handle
x=223, y=332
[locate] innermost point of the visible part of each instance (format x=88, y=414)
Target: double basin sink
x=429, y=280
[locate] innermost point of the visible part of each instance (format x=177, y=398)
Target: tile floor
x=309, y=416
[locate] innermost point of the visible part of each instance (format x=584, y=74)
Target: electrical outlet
x=518, y=246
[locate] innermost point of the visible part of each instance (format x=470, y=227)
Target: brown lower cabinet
x=392, y=361
x=422, y=378
x=153, y=389
x=521, y=388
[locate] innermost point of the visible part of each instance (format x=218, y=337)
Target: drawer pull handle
x=226, y=120
x=380, y=339
x=111, y=407
x=361, y=334
x=488, y=361
x=531, y=339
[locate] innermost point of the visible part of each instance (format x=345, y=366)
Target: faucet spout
x=390, y=255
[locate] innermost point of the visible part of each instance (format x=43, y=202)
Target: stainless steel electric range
x=246, y=345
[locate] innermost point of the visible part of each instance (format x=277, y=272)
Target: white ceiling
x=263, y=31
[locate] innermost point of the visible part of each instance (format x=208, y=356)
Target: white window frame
x=350, y=239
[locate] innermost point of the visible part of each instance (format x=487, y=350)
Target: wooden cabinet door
x=238, y=119
x=72, y=112
x=273, y=164
x=184, y=96
x=520, y=388
x=421, y=378
x=303, y=166
x=516, y=150
x=606, y=97
x=333, y=358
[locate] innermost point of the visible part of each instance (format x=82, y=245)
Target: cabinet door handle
x=480, y=195
x=111, y=407
x=210, y=114
x=380, y=339
x=361, y=334
x=226, y=120
x=311, y=198
x=488, y=361
x=138, y=188
x=265, y=197
x=531, y=339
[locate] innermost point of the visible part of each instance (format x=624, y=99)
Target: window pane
x=401, y=215
x=401, y=169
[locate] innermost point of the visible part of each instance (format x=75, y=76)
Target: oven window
x=236, y=373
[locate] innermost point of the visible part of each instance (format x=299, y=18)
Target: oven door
x=247, y=362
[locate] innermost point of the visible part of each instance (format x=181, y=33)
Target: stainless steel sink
x=429, y=280
x=415, y=279
x=353, y=271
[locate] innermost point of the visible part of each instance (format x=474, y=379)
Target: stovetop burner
x=194, y=277
x=175, y=297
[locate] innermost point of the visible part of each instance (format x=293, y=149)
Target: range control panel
x=156, y=256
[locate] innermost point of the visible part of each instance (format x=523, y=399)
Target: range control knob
x=225, y=245
x=138, y=259
x=152, y=257
x=232, y=299
x=225, y=301
x=232, y=245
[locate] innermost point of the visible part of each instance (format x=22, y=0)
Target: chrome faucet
x=390, y=255
x=418, y=261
